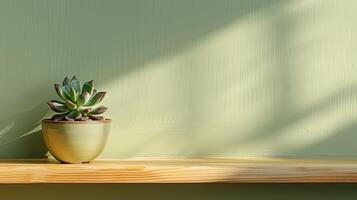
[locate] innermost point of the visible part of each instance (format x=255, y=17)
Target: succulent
x=78, y=101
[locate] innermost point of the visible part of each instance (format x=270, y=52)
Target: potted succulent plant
x=78, y=133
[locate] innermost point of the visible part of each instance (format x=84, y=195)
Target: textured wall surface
x=195, y=78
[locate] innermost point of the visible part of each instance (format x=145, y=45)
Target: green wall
x=187, y=78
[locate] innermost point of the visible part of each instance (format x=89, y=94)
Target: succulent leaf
x=94, y=117
x=59, y=117
x=73, y=95
x=98, y=111
x=88, y=87
x=76, y=84
x=59, y=91
x=96, y=99
x=83, y=98
x=57, y=106
x=62, y=92
x=66, y=84
x=94, y=92
x=74, y=114
x=66, y=94
x=83, y=118
x=67, y=118
x=85, y=111
x=70, y=105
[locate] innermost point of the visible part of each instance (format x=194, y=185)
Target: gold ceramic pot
x=75, y=141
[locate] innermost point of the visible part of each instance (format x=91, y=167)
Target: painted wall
x=195, y=78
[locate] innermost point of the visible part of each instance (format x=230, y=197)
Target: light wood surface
x=179, y=171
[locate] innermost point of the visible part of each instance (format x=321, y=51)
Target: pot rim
x=77, y=122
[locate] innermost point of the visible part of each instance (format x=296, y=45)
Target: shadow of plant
x=20, y=137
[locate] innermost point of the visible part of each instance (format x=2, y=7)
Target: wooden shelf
x=179, y=171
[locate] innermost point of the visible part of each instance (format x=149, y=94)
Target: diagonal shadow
x=96, y=40
x=19, y=138
x=344, y=138
x=284, y=113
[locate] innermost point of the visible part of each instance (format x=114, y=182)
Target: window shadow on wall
x=103, y=40
x=109, y=40
x=306, y=94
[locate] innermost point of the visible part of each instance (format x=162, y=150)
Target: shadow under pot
x=75, y=141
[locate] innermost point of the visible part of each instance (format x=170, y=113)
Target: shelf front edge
x=179, y=171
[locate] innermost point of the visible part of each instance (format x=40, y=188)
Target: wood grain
x=179, y=171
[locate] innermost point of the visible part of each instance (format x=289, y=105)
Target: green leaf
x=83, y=118
x=76, y=84
x=85, y=111
x=83, y=98
x=62, y=93
x=94, y=92
x=92, y=117
x=59, y=117
x=88, y=87
x=73, y=115
x=96, y=99
x=66, y=84
x=58, y=89
x=73, y=95
x=98, y=111
x=66, y=94
x=68, y=118
x=71, y=105
x=57, y=106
